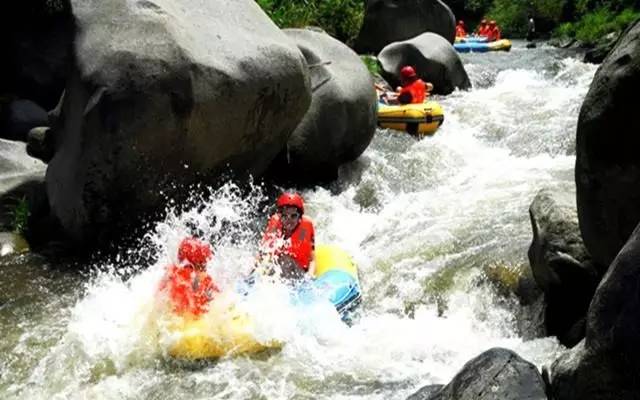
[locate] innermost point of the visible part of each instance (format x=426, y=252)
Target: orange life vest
x=460, y=31
x=299, y=246
x=494, y=34
x=415, y=92
x=188, y=289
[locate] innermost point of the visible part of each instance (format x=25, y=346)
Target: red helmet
x=194, y=251
x=291, y=199
x=407, y=72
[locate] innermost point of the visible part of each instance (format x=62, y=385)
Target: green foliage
x=20, y=215
x=372, y=64
x=594, y=25
x=512, y=15
x=339, y=18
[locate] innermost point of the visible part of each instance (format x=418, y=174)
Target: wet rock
x=164, y=94
x=341, y=119
x=19, y=117
x=40, y=143
x=12, y=243
x=37, y=39
x=561, y=265
x=387, y=21
x=496, y=374
x=426, y=392
x=606, y=364
x=434, y=59
x=607, y=161
x=604, y=46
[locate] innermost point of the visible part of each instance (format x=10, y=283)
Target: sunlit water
x=405, y=210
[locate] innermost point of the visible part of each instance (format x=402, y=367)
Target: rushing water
x=406, y=210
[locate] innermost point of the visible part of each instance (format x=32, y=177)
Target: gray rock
x=607, y=159
x=434, y=59
x=12, y=243
x=606, y=365
x=341, y=119
x=37, y=40
x=20, y=117
x=40, y=143
x=387, y=21
x=426, y=392
x=496, y=374
x=561, y=265
x=163, y=94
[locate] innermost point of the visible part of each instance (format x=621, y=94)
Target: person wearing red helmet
x=289, y=237
x=481, y=30
x=493, y=32
x=187, y=285
x=460, y=29
x=413, y=90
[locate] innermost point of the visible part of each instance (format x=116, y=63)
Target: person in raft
x=289, y=239
x=482, y=28
x=187, y=285
x=461, y=31
x=413, y=90
x=493, y=32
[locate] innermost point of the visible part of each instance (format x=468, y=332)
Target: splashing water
x=406, y=211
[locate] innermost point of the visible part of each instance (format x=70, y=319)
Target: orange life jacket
x=494, y=34
x=460, y=31
x=415, y=92
x=484, y=31
x=188, y=289
x=299, y=246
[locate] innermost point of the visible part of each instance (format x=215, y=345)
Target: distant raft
x=422, y=119
x=482, y=47
x=472, y=39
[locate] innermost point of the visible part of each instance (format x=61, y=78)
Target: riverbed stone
x=37, y=37
x=496, y=374
x=164, y=94
x=606, y=364
x=341, y=120
x=561, y=264
x=433, y=58
x=19, y=117
x=607, y=168
x=387, y=21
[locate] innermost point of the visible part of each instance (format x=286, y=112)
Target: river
x=408, y=211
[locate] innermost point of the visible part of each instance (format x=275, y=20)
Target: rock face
x=606, y=365
x=434, y=59
x=20, y=117
x=341, y=119
x=387, y=21
x=561, y=265
x=496, y=374
x=607, y=161
x=163, y=94
x=37, y=40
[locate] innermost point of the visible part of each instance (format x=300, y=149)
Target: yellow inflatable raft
x=417, y=119
x=226, y=331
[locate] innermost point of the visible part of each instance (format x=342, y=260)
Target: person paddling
x=413, y=90
x=187, y=285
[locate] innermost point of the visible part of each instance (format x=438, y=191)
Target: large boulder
x=496, y=374
x=37, y=40
x=607, y=158
x=434, y=59
x=164, y=94
x=341, y=119
x=387, y=21
x=19, y=117
x=561, y=265
x=606, y=365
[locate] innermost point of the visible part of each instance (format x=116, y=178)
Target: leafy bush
x=20, y=216
x=512, y=15
x=594, y=25
x=339, y=18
